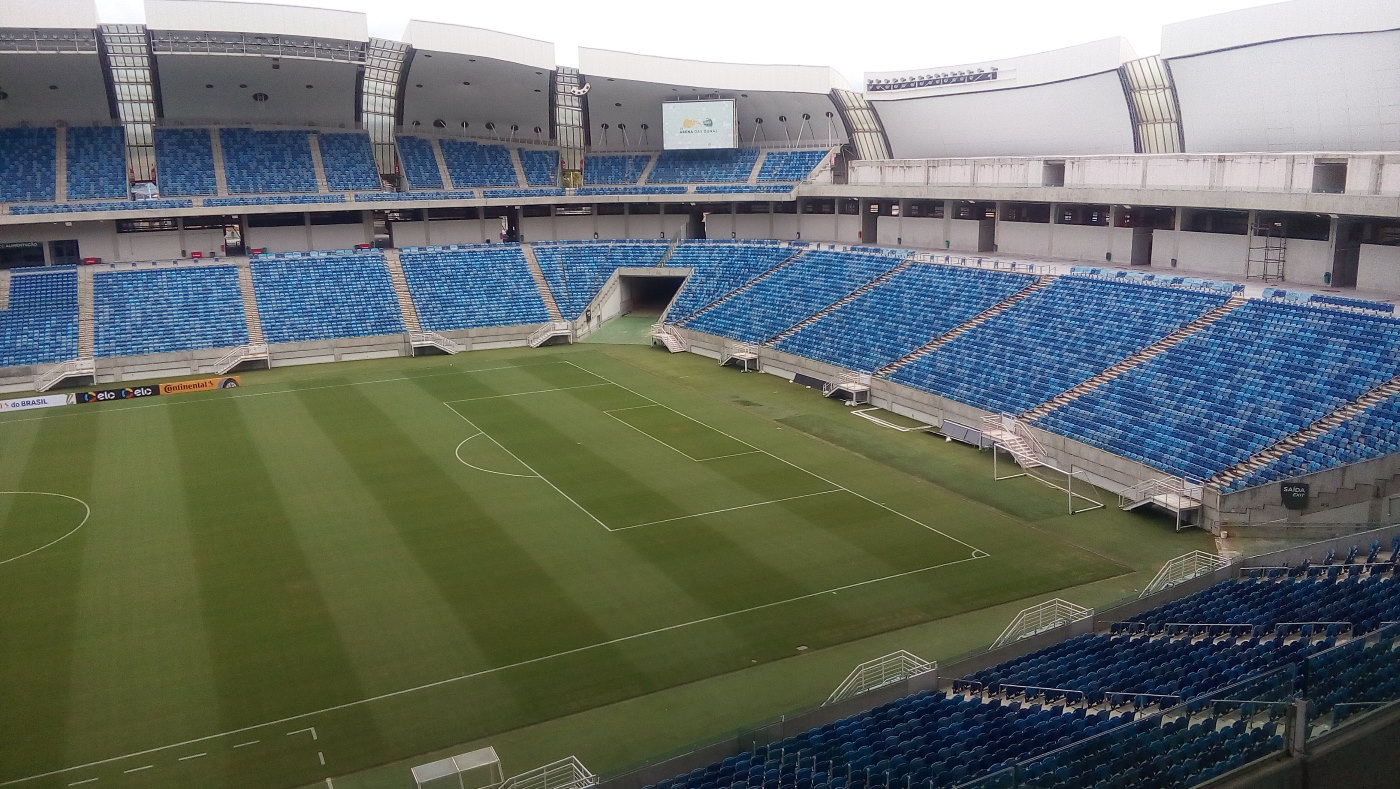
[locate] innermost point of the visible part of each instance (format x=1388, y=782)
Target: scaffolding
x=1268, y=249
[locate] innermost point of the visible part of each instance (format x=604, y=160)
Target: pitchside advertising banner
x=179, y=387
x=698, y=124
x=30, y=403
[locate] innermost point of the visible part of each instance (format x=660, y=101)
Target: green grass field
x=337, y=567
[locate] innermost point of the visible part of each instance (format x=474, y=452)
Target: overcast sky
x=897, y=34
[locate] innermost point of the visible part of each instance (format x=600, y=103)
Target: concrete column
x=947, y=222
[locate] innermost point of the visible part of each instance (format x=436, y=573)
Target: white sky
x=900, y=34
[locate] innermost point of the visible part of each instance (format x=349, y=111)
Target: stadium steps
x=60, y=161
x=216, y=144
x=757, y=168
x=250, y=303
x=1134, y=360
x=518, y=166
x=1289, y=443
x=963, y=328
x=85, y=320
x=645, y=177
x=4, y=289
x=443, y=172
x=406, y=306
x=541, y=284
x=317, y=163
x=841, y=302
x=793, y=258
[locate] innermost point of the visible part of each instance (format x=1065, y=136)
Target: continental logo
x=201, y=385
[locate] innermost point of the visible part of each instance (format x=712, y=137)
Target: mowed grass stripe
x=38, y=627
x=278, y=646
x=686, y=436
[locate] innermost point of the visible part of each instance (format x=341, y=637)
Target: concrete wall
x=1379, y=268
x=1356, y=493
x=1216, y=253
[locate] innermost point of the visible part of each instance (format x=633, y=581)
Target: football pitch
x=331, y=569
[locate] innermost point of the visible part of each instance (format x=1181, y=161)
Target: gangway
x=857, y=385
x=73, y=368
x=1010, y=435
x=1183, y=568
x=1040, y=618
x=431, y=339
x=1176, y=495
x=252, y=352
x=744, y=356
x=666, y=335
x=551, y=330
x=877, y=673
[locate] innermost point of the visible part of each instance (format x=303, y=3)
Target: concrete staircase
x=646, y=171
x=60, y=161
x=1155, y=349
x=442, y=165
x=793, y=258
x=541, y=284
x=85, y=320
x=250, y=303
x=961, y=329
x=1321, y=426
x=406, y=306
x=519, y=167
x=220, y=177
x=757, y=167
x=4, y=289
x=843, y=301
x=317, y=163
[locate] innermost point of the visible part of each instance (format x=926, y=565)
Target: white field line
x=87, y=514
x=527, y=467
x=729, y=509
x=520, y=394
x=731, y=455
x=139, y=769
x=787, y=462
x=489, y=671
x=84, y=781
x=239, y=745
x=458, y=453
x=178, y=401
x=191, y=756
x=686, y=455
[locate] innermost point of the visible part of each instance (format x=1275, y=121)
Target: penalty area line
x=489, y=671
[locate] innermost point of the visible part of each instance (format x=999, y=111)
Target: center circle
x=31, y=521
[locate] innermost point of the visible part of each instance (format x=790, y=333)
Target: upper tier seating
x=419, y=164
x=576, y=272
x=163, y=310
x=28, y=164
x=302, y=199
x=1052, y=340
x=1373, y=433
x=267, y=162
x=104, y=205
x=902, y=314
x=692, y=167
x=541, y=167
x=96, y=166
x=1235, y=387
x=789, y=165
x=488, y=285
x=742, y=189
x=586, y=191
x=427, y=194
x=41, y=324
x=348, y=161
x=614, y=169
x=720, y=266
x=185, y=162
x=791, y=294
x=346, y=294
x=471, y=163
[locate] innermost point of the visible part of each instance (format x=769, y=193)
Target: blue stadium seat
x=267, y=162
x=96, y=163
x=348, y=161
x=329, y=296
x=41, y=324
x=472, y=287
x=185, y=162
x=28, y=164
x=163, y=310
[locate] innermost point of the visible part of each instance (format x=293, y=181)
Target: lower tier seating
x=163, y=310
x=40, y=326
x=347, y=294
x=576, y=272
x=472, y=287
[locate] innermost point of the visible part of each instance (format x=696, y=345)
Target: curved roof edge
x=476, y=41
x=60, y=14
x=1055, y=65
x=1294, y=19
x=706, y=75
x=239, y=17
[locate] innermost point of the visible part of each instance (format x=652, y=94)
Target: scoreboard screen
x=691, y=125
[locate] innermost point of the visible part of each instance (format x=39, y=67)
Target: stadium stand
x=1052, y=340
x=902, y=314
x=427, y=194
x=541, y=166
x=326, y=296
x=743, y=189
x=790, y=165
x=96, y=163
x=41, y=324
x=815, y=280
x=614, y=170
x=576, y=272
x=472, y=287
x=720, y=267
x=1375, y=432
x=1235, y=387
x=419, y=163
x=587, y=191
x=267, y=162
x=708, y=166
x=28, y=168
x=185, y=162
x=471, y=163
x=164, y=310
x=348, y=161
x=225, y=202
x=510, y=193
x=104, y=205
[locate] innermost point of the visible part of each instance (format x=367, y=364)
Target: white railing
x=551, y=329
x=877, y=673
x=849, y=382
x=1184, y=568
x=667, y=336
x=567, y=773
x=1039, y=618
x=419, y=339
x=239, y=355
x=1171, y=492
x=52, y=376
